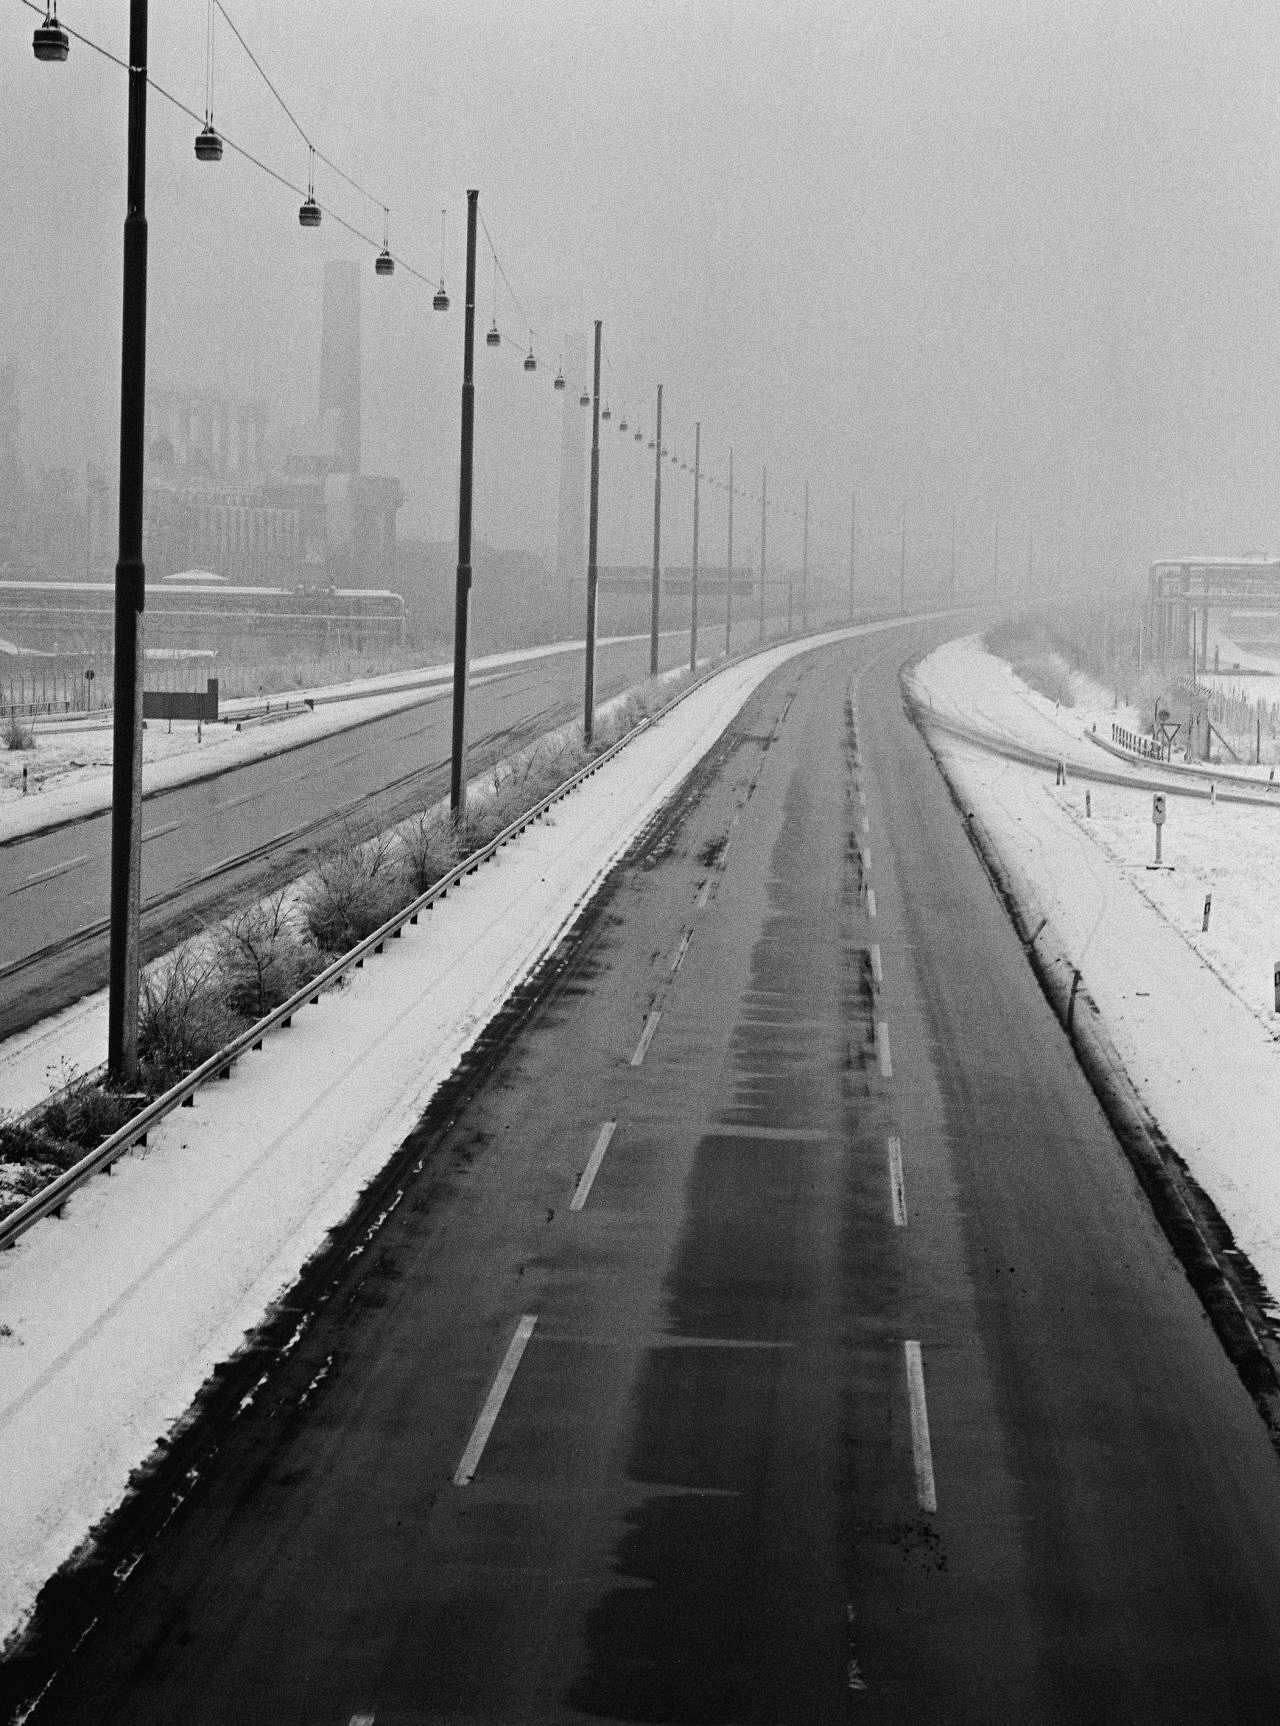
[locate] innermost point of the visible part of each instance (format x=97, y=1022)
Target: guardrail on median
x=1137, y=743
x=50, y=1200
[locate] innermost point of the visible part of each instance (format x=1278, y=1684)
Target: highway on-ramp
x=765, y=1326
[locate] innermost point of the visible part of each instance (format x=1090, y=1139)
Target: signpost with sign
x=1157, y=819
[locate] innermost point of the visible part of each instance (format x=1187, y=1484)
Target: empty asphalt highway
x=767, y=1328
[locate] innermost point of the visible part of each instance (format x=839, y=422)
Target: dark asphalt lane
x=847, y=1377
x=221, y=840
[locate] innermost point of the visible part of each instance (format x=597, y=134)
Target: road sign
x=1157, y=808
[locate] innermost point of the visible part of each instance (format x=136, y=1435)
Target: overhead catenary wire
x=249, y=156
x=292, y=117
x=626, y=392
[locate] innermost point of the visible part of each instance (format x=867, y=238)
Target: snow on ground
x=1190, y=1012
x=69, y=770
x=108, y=1327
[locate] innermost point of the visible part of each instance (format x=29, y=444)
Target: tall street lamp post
x=462, y=589
x=130, y=590
x=657, y=543
x=764, y=537
x=693, y=589
x=728, y=592
x=593, y=573
x=804, y=566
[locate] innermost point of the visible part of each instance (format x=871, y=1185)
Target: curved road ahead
x=220, y=840
x=772, y=1331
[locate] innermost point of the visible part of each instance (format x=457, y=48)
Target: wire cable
x=231, y=144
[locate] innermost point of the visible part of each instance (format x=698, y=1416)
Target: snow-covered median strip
x=1189, y=1011
x=113, y=1317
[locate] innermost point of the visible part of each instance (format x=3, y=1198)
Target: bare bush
x=352, y=892
x=183, y=1018
x=266, y=954
x=16, y=734
x=428, y=850
x=86, y=1112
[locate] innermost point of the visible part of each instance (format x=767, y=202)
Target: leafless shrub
x=86, y=1112
x=183, y=1018
x=428, y=850
x=16, y=734
x=266, y=954
x=351, y=892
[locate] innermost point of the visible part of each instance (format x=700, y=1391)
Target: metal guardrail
x=50, y=1200
x=1137, y=743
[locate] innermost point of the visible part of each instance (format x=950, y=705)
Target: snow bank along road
x=1190, y=1009
x=763, y=1326
x=228, y=835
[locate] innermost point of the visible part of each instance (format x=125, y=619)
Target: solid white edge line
x=593, y=1166
x=877, y=965
x=871, y=901
x=897, y=1183
x=466, y=1469
x=882, y=1047
x=921, y=1449
x=646, y=1037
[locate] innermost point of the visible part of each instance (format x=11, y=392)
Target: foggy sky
x=1002, y=260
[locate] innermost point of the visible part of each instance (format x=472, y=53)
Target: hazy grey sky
x=1006, y=258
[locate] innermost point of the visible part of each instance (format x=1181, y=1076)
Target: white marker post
x=1157, y=818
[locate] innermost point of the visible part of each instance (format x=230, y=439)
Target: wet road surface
x=775, y=1333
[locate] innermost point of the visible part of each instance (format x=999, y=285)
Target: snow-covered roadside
x=1189, y=1012
x=240, y=1191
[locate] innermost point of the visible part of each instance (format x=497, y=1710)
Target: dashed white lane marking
x=866, y=825
x=864, y=858
x=646, y=1037
x=877, y=968
x=862, y=797
x=705, y=894
x=871, y=901
x=48, y=874
x=593, y=1165
x=921, y=1450
x=159, y=833
x=361, y=1720
x=882, y=1048
x=682, y=947
x=466, y=1469
x=897, y=1184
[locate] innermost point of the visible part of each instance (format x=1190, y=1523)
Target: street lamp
x=655, y=444
x=462, y=586
x=131, y=589
x=728, y=592
x=593, y=572
x=51, y=43
x=693, y=590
